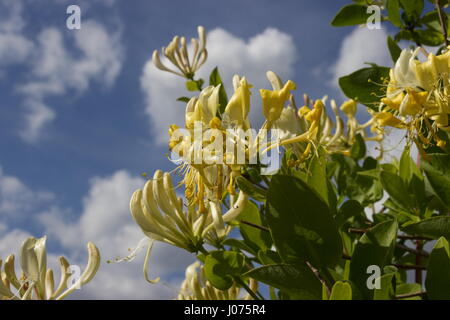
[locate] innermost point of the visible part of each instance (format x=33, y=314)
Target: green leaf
x=365, y=190
x=194, y=85
x=396, y=188
x=393, y=10
x=215, y=80
x=437, y=170
x=222, y=266
x=409, y=288
x=239, y=244
x=394, y=49
x=350, y=15
x=184, y=99
x=317, y=179
x=375, y=247
x=298, y=281
x=269, y=257
x=413, y=8
x=301, y=224
x=349, y=209
x=252, y=190
x=433, y=227
x=406, y=165
x=438, y=272
x=387, y=288
x=255, y=238
x=358, y=150
x=430, y=37
x=341, y=291
x=364, y=85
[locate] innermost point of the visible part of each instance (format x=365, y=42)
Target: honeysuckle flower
x=388, y=119
x=177, y=52
x=162, y=215
x=196, y=287
x=273, y=101
x=37, y=282
x=417, y=95
x=433, y=69
x=204, y=108
x=403, y=75
x=349, y=108
x=317, y=130
x=238, y=107
x=289, y=124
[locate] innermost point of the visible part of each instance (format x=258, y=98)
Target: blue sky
x=79, y=112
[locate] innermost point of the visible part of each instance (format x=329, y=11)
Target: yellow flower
x=394, y=103
x=413, y=103
x=430, y=71
x=316, y=112
x=349, y=108
x=238, y=107
x=273, y=100
x=388, y=119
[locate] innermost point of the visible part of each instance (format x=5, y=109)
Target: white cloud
x=269, y=50
x=17, y=199
x=360, y=46
x=53, y=66
x=14, y=47
x=97, y=56
x=37, y=117
x=11, y=240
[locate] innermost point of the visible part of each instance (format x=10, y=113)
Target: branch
x=441, y=20
x=255, y=226
x=404, y=237
x=412, y=250
x=399, y=266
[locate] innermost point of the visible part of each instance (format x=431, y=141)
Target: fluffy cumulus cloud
x=269, y=50
x=17, y=199
x=105, y=220
x=57, y=62
x=362, y=45
x=14, y=47
x=55, y=69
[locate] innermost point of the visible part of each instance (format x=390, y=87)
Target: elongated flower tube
x=37, y=282
x=177, y=53
x=162, y=215
x=196, y=287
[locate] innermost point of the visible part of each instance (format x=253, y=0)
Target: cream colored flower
x=196, y=287
x=164, y=217
x=37, y=282
x=177, y=53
